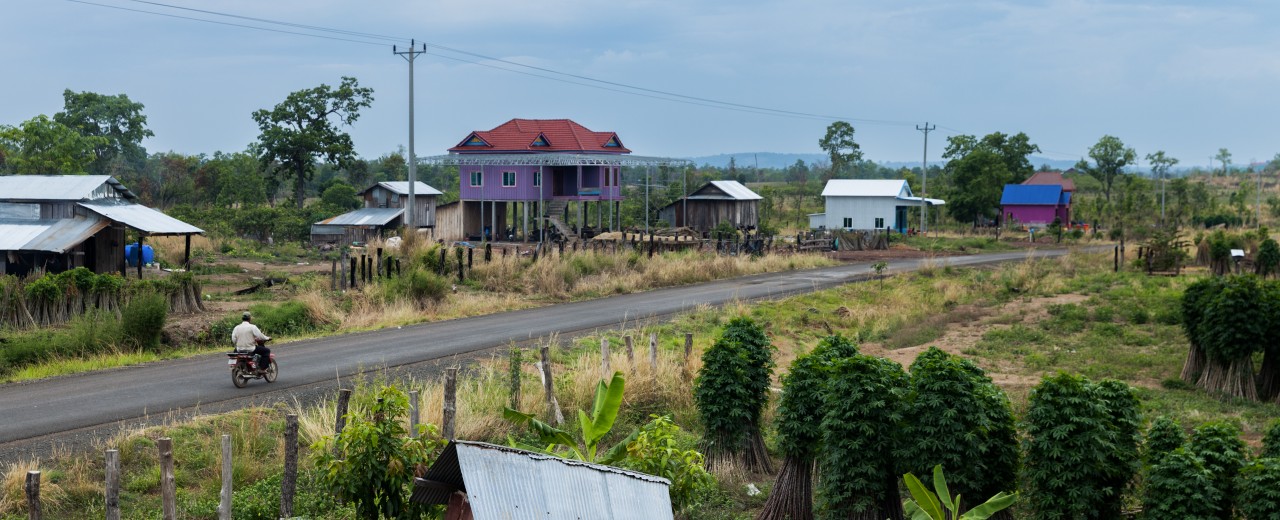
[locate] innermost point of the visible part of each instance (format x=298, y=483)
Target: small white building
x=865, y=204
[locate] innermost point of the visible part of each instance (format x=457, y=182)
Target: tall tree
x=1110, y=157
x=116, y=118
x=1224, y=157
x=840, y=147
x=43, y=146
x=1160, y=165
x=303, y=128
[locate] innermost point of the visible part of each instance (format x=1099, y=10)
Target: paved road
x=93, y=400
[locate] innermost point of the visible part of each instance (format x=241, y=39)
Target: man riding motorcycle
x=248, y=338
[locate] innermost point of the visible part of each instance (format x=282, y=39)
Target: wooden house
x=60, y=222
x=868, y=204
x=384, y=205
x=713, y=203
x=1035, y=204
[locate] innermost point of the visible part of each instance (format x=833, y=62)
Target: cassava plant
x=957, y=418
x=1233, y=326
x=799, y=436
x=1268, y=261
x=731, y=391
x=1268, y=378
x=1179, y=486
x=1218, y=443
x=1164, y=436
x=1258, y=489
x=861, y=425
x=1271, y=442
x=1122, y=461
x=1194, y=299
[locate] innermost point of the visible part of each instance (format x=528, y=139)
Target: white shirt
x=245, y=336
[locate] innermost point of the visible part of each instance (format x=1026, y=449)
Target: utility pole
x=924, y=178
x=1259, y=194
x=409, y=212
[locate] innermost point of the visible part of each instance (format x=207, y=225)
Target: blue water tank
x=131, y=254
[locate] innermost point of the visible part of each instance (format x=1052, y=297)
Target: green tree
x=1179, y=486
x=303, y=128
x=731, y=392
x=1110, y=157
x=1160, y=165
x=1223, y=156
x=1271, y=441
x=1164, y=436
x=116, y=118
x=340, y=195
x=1257, y=484
x=43, y=146
x=375, y=461
x=1235, y=322
x=978, y=169
x=840, y=147
x=1218, y=444
x=1122, y=461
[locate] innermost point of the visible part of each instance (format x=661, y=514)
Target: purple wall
x=589, y=185
x=1030, y=214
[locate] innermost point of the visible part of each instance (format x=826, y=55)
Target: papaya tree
x=799, y=420
x=731, y=391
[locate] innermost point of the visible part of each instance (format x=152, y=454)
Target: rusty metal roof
x=364, y=217
x=140, y=217
x=61, y=187
x=54, y=236
x=502, y=482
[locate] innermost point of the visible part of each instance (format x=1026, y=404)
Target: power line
x=224, y=23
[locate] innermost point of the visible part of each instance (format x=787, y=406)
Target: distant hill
x=775, y=160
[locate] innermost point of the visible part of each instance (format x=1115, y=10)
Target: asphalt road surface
x=37, y=411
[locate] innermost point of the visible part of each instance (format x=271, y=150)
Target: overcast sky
x=1181, y=76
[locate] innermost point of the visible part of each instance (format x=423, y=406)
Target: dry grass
x=13, y=497
x=170, y=249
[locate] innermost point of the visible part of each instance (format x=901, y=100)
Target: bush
x=1259, y=489
x=1179, y=486
x=290, y=318
x=1125, y=428
x=1218, y=444
x=1271, y=442
x=732, y=390
x=419, y=286
x=1164, y=436
x=1268, y=261
x=863, y=405
x=658, y=450
x=142, y=320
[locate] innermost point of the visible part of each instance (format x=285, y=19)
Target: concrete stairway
x=555, y=212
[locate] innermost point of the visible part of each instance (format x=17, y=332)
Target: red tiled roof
x=1051, y=178
x=563, y=135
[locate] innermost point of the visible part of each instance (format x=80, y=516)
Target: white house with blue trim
x=867, y=204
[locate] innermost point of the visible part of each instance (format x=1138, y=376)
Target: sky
x=1185, y=77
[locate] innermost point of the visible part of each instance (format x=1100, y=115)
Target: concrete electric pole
x=924, y=179
x=409, y=212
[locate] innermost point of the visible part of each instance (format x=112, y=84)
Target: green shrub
x=1268, y=261
x=290, y=318
x=1218, y=443
x=1179, y=486
x=732, y=390
x=419, y=286
x=1234, y=323
x=660, y=449
x=863, y=405
x=1124, y=426
x=1164, y=436
x=1259, y=489
x=142, y=320
x=1271, y=442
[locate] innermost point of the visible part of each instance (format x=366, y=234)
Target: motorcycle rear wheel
x=270, y=373
x=238, y=379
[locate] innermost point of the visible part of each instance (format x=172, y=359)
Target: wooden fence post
x=344, y=398
x=631, y=355
x=450, y=402
x=289, y=483
x=514, y=373
x=653, y=352
x=113, y=484
x=548, y=385
x=224, y=504
x=168, y=491
x=688, y=353
x=413, y=414
x=333, y=275
x=604, y=358
x=342, y=271
x=352, y=273
x=34, y=510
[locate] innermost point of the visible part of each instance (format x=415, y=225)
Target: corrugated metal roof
x=932, y=202
x=364, y=217
x=866, y=188
x=1031, y=194
x=140, y=217
x=503, y=483
x=1066, y=197
x=60, y=187
x=402, y=188
x=736, y=190
x=55, y=236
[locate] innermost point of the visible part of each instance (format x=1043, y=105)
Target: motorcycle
x=243, y=368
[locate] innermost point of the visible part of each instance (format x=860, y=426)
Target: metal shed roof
x=140, y=217
x=54, y=236
x=364, y=217
x=61, y=187
x=503, y=483
x=1031, y=195
x=402, y=188
x=866, y=188
x=734, y=189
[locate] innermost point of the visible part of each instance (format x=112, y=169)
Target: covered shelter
x=713, y=203
x=384, y=207
x=480, y=481
x=60, y=222
x=868, y=204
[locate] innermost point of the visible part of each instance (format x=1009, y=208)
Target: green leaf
x=940, y=486
x=996, y=504
x=607, y=405
x=546, y=433
x=619, y=451
x=925, y=499
x=913, y=510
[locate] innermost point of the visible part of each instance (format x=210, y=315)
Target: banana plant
x=594, y=427
x=928, y=505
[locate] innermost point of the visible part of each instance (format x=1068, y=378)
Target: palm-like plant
x=938, y=504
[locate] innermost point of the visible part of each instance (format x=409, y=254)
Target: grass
x=1032, y=318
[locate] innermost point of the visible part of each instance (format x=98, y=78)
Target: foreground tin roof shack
x=502, y=483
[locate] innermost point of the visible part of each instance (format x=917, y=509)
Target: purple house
x=1035, y=204
x=510, y=164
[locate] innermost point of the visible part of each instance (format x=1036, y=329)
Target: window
x=508, y=179
x=848, y=222
x=879, y=222
x=477, y=179
x=608, y=176
x=537, y=179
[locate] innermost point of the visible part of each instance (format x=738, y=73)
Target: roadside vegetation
x=1110, y=343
